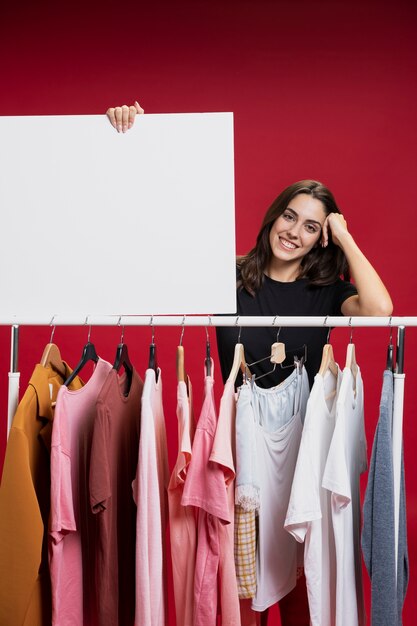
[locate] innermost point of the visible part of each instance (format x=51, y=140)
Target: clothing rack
x=276, y=321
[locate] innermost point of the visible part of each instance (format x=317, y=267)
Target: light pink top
x=206, y=489
x=222, y=455
x=73, y=527
x=149, y=491
x=182, y=519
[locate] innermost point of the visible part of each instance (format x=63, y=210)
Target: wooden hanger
x=351, y=355
x=181, y=375
x=351, y=359
x=52, y=357
x=239, y=363
x=276, y=357
x=327, y=361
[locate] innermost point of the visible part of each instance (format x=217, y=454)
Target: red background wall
x=319, y=89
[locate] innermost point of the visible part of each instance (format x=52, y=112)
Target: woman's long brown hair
x=321, y=266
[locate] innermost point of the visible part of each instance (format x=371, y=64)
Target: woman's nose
x=294, y=231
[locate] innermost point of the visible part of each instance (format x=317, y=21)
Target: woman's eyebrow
x=308, y=220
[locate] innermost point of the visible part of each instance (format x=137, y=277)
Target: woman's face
x=298, y=229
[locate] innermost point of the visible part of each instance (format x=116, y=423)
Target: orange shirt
x=25, y=595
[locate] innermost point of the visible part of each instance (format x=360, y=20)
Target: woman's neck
x=283, y=272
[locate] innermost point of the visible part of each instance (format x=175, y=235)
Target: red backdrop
x=319, y=89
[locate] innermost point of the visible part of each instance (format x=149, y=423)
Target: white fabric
x=150, y=493
x=13, y=398
x=276, y=417
x=345, y=463
x=309, y=517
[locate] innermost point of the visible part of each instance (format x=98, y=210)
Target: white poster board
x=97, y=222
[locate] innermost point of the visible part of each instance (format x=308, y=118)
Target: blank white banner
x=97, y=222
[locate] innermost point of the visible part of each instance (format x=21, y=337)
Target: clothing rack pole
x=207, y=320
x=14, y=376
x=397, y=435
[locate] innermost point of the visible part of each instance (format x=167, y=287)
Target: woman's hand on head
x=123, y=117
x=335, y=224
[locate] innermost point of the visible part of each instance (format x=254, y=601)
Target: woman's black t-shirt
x=276, y=298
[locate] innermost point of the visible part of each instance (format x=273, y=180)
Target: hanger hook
x=390, y=328
x=351, y=329
x=206, y=329
x=183, y=328
x=119, y=323
x=53, y=328
x=153, y=330
x=240, y=328
x=89, y=328
x=330, y=329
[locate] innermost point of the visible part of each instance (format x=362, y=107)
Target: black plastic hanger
x=122, y=360
x=390, y=350
x=153, y=362
x=89, y=354
x=207, y=362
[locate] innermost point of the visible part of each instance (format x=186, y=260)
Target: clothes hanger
x=239, y=362
x=52, y=357
x=122, y=360
x=327, y=358
x=152, y=361
x=351, y=354
x=207, y=362
x=390, y=350
x=277, y=356
x=89, y=354
x=181, y=375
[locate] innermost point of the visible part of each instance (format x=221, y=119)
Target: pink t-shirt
x=149, y=492
x=182, y=519
x=206, y=489
x=73, y=527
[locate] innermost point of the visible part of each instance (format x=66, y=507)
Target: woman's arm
x=373, y=297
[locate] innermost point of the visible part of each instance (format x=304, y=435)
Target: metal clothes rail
x=205, y=320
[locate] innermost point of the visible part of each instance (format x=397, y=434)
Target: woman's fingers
x=325, y=233
x=123, y=117
x=111, y=115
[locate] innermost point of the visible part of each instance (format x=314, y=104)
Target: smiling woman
x=301, y=264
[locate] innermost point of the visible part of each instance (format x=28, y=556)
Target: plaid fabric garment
x=245, y=552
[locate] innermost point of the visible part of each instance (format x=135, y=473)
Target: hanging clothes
x=346, y=461
x=309, y=517
x=114, y=459
x=25, y=588
x=205, y=490
x=270, y=422
x=73, y=527
x=222, y=457
x=149, y=490
x=378, y=532
x=182, y=519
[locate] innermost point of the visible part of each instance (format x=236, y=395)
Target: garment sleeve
x=21, y=532
x=342, y=290
x=100, y=489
